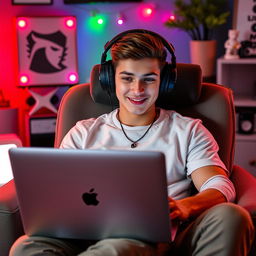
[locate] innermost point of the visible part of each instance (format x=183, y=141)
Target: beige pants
x=223, y=230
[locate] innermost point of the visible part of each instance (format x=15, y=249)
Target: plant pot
x=203, y=53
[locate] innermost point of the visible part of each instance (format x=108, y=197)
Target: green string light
x=97, y=22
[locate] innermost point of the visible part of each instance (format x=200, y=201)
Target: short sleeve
x=202, y=149
x=76, y=137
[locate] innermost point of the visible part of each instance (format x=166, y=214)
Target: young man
x=208, y=224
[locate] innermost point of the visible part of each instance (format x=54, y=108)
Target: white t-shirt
x=186, y=143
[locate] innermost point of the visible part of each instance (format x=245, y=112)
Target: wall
x=89, y=41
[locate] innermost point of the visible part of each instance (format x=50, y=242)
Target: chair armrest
x=10, y=221
x=245, y=185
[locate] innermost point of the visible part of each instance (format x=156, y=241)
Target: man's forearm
x=195, y=205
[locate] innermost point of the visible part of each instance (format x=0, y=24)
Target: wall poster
x=32, y=2
x=244, y=20
x=47, y=51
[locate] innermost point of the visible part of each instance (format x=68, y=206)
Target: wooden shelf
x=246, y=137
x=238, y=61
x=239, y=75
x=244, y=101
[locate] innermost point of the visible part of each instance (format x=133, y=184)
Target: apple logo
x=90, y=198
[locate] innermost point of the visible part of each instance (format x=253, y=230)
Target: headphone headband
x=110, y=43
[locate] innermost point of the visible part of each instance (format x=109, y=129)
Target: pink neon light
x=73, y=78
x=147, y=12
x=22, y=23
x=172, y=17
x=120, y=21
x=24, y=79
x=70, y=22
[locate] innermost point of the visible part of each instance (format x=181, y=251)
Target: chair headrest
x=186, y=91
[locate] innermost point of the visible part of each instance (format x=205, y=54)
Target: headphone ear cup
x=107, y=77
x=168, y=79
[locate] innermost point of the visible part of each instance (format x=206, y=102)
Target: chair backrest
x=211, y=103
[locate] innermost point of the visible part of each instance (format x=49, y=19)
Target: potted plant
x=198, y=18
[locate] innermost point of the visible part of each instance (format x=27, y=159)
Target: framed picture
x=244, y=19
x=90, y=1
x=47, y=51
x=32, y=2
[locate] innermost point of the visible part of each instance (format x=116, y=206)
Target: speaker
x=42, y=131
x=246, y=122
x=107, y=73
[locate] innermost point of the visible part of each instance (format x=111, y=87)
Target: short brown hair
x=137, y=46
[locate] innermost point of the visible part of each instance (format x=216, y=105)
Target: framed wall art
x=32, y=2
x=244, y=19
x=90, y=1
x=47, y=51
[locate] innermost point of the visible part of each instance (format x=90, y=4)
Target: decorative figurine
x=232, y=45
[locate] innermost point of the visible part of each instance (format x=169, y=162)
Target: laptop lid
x=92, y=194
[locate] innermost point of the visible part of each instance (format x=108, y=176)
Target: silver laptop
x=92, y=194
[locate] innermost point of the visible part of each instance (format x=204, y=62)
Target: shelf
x=238, y=61
x=239, y=74
x=245, y=137
x=243, y=101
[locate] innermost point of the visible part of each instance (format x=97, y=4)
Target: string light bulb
x=147, y=10
x=120, y=19
x=24, y=80
x=70, y=22
x=98, y=18
x=73, y=77
x=22, y=23
x=100, y=21
x=172, y=17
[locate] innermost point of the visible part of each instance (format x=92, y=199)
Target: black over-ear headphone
x=107, y=73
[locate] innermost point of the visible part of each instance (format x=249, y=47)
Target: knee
x=41, y=246
x=122, y=246
x=112, y=244
x=17, y=247
x=233, y=216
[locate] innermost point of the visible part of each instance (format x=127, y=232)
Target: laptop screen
x=5, y=165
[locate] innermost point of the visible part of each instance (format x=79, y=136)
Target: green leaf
x=197, y=17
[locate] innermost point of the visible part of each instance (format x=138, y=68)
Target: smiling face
x=137, y=87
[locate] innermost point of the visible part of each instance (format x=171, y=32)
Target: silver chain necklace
x=135, y=143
